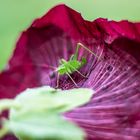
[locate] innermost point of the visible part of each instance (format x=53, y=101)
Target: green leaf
x=44, y=127
x=36, y=114
x=49, y=100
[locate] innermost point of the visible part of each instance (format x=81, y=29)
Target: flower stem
x=4, y=105
x=4, y=130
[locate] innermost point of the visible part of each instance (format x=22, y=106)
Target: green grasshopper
x=72, y=65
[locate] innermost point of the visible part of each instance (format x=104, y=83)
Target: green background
x=17, y=15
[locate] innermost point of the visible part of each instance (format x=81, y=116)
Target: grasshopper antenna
x=42, y=65
x=81, y=45
x=46, y=66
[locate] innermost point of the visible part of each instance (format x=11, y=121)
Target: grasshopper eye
x=52, y=75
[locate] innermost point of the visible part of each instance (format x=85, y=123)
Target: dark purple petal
x=113, y=112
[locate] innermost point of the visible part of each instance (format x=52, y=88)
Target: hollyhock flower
x=113, y=112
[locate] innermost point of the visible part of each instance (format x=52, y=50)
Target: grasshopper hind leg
x=57, y=81
x=72, y=80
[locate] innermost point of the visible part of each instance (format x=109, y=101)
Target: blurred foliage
x=17, y=15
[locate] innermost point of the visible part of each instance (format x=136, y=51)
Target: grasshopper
x=72, y=65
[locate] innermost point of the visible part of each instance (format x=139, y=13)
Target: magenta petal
x=112, y=30
x=112, y=113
